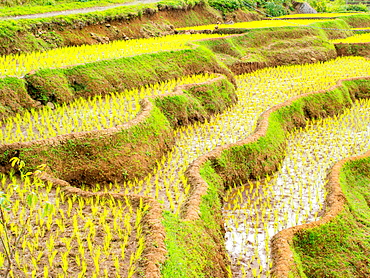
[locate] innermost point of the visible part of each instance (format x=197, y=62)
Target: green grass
x=195, y=248
x=255, y=160
x=13, y=7
x=341, y=248
x=272, y=45
x=100, y=78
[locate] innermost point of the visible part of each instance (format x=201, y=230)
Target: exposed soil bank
x=138, y=21
x=94, y=156
x=353, y=49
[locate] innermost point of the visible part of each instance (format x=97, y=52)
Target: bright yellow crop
x=94, y=236
x=256, y=24
x=319, y=15
x=257, y=92
x=85, y=114
x=359, y=38
x=20, y=64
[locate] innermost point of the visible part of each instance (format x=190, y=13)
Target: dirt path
x=77, y=11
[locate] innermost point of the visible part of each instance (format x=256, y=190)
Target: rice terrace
x=184, y=138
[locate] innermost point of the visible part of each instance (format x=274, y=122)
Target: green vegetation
x=253, y=160
x=195, y=247
x=198, y=103
x=273, y=46
x=272, y=7
x=336, y=6
x=16, y=7
x=14, y=97
x=341, y=248
x=101, y=78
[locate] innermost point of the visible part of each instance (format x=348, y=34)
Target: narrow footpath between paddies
x=256, y=92
x=296, y=194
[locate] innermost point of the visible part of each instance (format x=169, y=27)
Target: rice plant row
x=52, y=235
x=95, y=113
x=256, y=93
x=254, y=212
x=358, y=38
x=257, y=24
x=23, y=63
x=319, y=15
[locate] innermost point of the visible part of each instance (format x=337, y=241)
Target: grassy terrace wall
x=103, y=77
x=261, y=153
x=341, y=247
x=94, y=156
x=273, y=46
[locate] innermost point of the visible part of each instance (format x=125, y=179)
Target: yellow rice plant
x=95, y=113
x=256, y=92
x=358, y=38
x=79, y=237
x=20, y=64
x=257, y=24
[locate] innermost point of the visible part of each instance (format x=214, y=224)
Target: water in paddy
x=295, y=195
x=257, y=92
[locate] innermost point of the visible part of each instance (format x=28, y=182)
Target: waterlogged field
x=95, y=113
x=20, y=64
x=359, y=38
x=258, y=24
x=75, y=237
x=319, y=15
x=257, y=92
x=254, y=212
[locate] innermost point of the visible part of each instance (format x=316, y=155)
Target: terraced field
x=359, y=38
x=20, y=64
x=257, y=24
x=120, y=229
x=296, y=194
x=256, y=92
